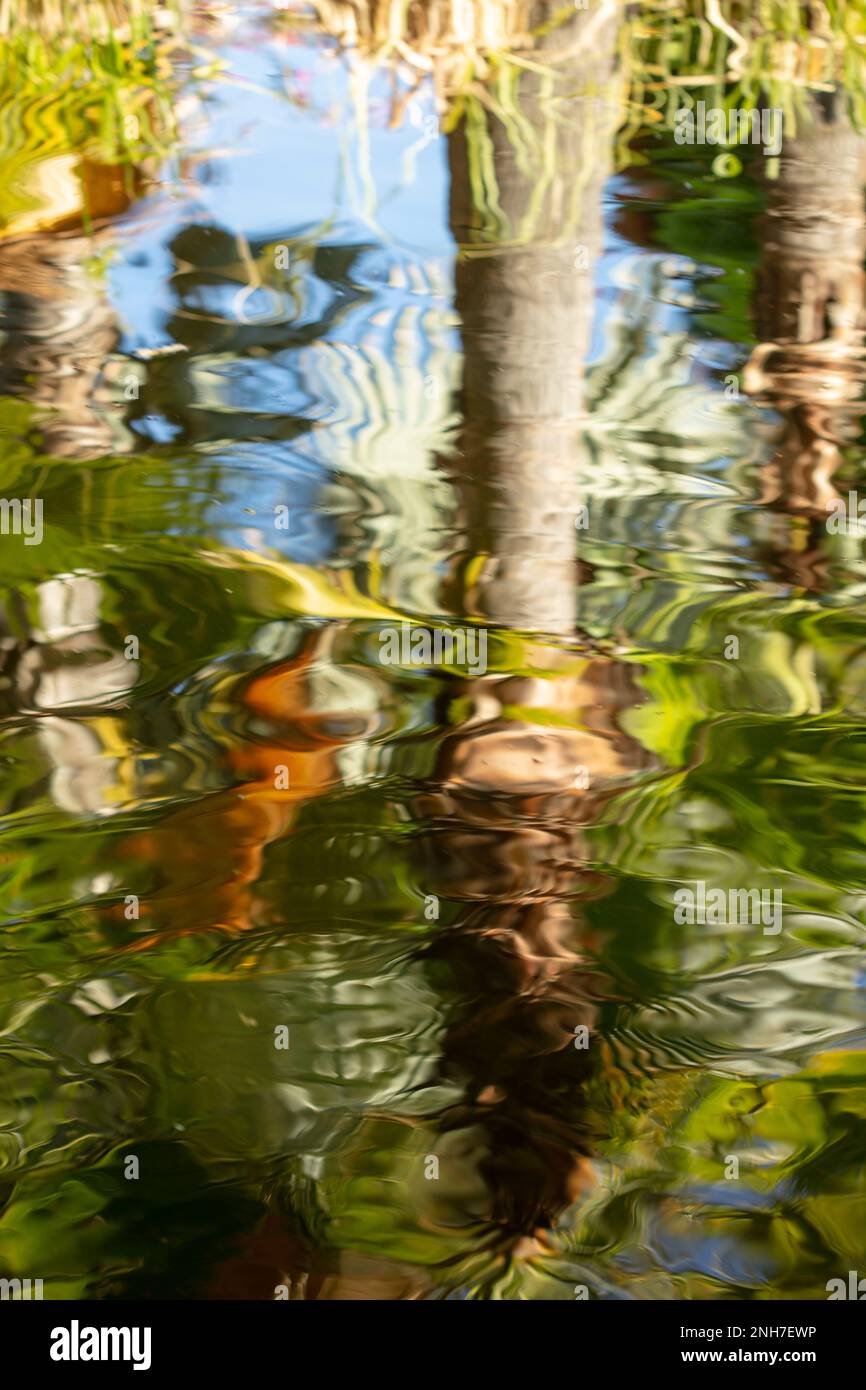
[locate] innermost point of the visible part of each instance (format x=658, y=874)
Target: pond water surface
x=359, y=977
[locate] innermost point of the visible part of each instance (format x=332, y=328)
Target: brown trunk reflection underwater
x=514, y=784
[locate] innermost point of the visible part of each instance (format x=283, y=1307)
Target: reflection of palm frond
x=388, y=417
x=647, y=414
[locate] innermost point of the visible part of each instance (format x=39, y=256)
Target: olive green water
x=332, y=977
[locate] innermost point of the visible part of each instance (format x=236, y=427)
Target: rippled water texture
x=373, y=968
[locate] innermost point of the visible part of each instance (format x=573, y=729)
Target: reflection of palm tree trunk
x=524, y=294
x=510, y=792
x=811, y=313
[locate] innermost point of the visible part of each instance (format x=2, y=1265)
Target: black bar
x=256, y=1338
